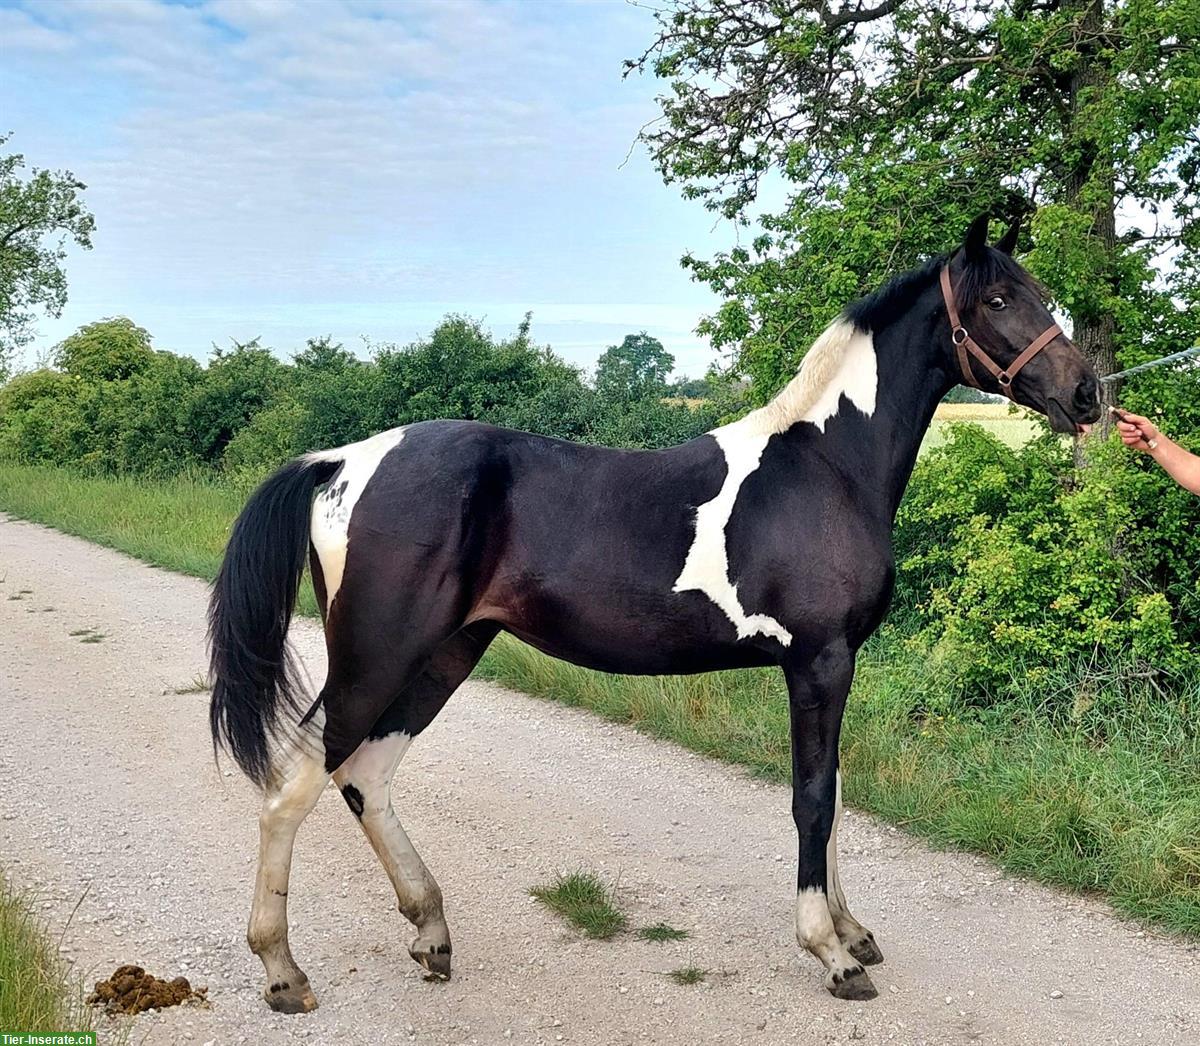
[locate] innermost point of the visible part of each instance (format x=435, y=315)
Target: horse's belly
x=631, y=643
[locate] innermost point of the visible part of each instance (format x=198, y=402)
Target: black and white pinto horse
x=765, y=542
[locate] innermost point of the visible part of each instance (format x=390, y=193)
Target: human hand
x=1135, y=431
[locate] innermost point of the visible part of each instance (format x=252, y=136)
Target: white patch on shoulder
x=840, y=363
x=333, y=507
x=707, y=566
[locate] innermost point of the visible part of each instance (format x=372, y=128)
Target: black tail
x=252, y=602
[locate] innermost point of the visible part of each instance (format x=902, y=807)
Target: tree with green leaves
x=636, y=369
x=38, y=216
x=892, y=124
x=107, y=350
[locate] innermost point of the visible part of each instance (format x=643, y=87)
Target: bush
x=271, y=438
x=118, y=406
x=237, y=385
x=35, y=411
x=1012, y=563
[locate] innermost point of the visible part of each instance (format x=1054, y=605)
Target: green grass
x=181, y=523
x=584, y=900
x=1103, y=800
x=36, y=992
x=661, y=932
x=198, y=684
x=688, y=975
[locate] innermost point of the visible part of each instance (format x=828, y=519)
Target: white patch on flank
x=332, y=510
x=841, y=362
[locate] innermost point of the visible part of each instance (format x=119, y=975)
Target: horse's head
x=1000, y=328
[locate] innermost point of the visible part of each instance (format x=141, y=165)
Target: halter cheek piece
x=964, y=343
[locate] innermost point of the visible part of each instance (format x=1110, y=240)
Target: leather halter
x=964, y=343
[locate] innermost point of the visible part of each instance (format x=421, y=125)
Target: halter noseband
x=964, y=343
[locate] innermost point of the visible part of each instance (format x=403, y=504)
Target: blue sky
x=288, y=168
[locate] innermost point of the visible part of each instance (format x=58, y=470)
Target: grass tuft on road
x=1098, y=796
x=661, y=932
x=688, y=975
x=36, y=991
x=584, y=900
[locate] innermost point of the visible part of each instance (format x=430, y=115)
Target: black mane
x=891, y=301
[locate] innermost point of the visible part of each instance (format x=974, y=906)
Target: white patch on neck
x=333, y=507
x=841, y=362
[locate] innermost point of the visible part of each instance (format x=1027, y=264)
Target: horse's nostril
x=1086, y=393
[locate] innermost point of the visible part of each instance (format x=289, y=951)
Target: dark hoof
x=291, y=998
x=436, y=963
x=853, y=984
x=866, y=951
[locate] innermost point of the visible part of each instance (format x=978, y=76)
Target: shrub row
x=111, y=403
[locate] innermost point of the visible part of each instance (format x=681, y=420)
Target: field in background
x=1016, y=427
x=1107, y=801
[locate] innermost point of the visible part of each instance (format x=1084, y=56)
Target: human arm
x=1142, y=434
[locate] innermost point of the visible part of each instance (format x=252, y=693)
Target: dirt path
x=107, y=784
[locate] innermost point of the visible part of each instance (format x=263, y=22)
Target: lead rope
x=1162, y=361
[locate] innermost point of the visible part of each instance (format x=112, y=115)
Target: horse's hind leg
x=291, y=794
x=365, y=781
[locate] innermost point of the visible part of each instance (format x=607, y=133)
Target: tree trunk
x=1090, y=189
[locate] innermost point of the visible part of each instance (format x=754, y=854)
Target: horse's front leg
x=817, y=690
x=859, y=941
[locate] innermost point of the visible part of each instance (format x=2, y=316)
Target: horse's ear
x=1008, y=242
x=975, y=242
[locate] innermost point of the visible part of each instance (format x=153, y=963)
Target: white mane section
x=841, y=362
x=330, y=522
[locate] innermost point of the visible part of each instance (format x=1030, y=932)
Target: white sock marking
x=370, y=769
x=334, y=506
x=815, y=931
x=841, y=362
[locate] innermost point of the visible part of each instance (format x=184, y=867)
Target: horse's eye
x=997, y=303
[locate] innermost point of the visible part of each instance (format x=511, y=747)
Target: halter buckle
x=1004, y=379
x=954, y=335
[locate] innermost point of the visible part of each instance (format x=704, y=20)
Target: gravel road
x=109, y=793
